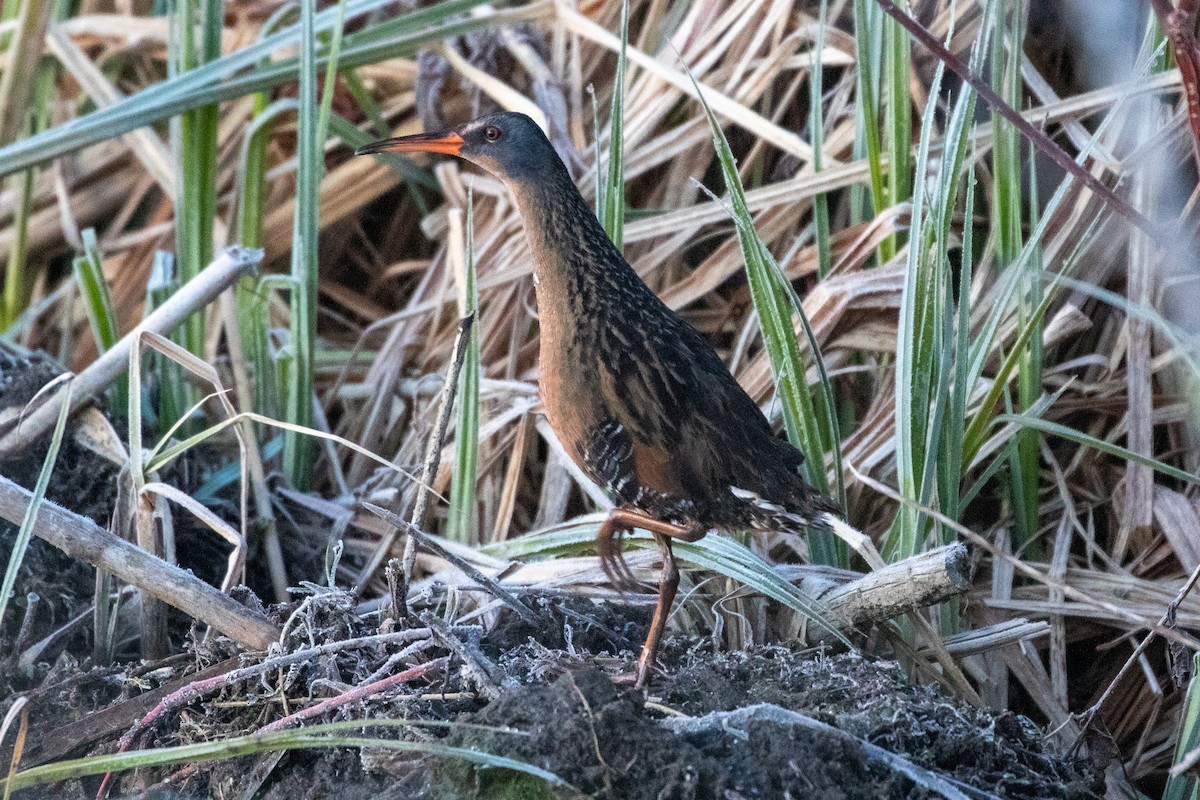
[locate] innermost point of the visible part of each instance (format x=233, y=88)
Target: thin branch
x=428, y=542
x=433, y=458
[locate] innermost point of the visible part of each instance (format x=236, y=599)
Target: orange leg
x=668, y=585
x=608, y=543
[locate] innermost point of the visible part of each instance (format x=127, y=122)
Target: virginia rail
x=639, y=399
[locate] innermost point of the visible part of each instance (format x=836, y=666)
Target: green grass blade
x=1055, y=429
x=816, y=133
x=868, y=41
x=1007, y=203
x=926, y=374
x=950, y=461
x=250, y=298
x=827, y=416
x=983, y=347
x=1006, y=143
x=252, y=294
x=612, y=209
x=333, y=734
x=25, y=532
x=460, y=521
x=366, y=103
x=252, y=172
x=16, y=268
x=313, y=129
x=915, y=356
x=173, y=395
x=331, y=72
x=89, y=275
x=88, y=269
x=775, y=319
x=1183, y=786
x=299, y=373
x=774, y=302
x=977, y=429
x=897, y=121
x=196, y=202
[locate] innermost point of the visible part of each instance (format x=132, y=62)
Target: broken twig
x=433, y=458
x=922, y=580
x=429, y=543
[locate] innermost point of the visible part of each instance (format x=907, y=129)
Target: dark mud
x=59, y=588
x=608, y=743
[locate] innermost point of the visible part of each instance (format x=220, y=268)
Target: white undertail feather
x=856, y=539
x=758, y=500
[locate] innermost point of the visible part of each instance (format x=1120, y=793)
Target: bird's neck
x=577, y=269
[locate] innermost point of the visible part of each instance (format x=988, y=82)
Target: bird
x=639, y=399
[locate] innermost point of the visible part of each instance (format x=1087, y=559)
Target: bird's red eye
x=491, y=133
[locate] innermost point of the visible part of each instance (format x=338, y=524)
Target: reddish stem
x=357, y=693
x=1180, y=27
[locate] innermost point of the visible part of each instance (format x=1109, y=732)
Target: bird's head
x=509, y=145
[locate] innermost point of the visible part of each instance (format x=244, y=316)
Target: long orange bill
x=448, y=143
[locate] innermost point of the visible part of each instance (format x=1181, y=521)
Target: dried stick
x=922, y=580
x=85, y=540
x=195, y=294
x=433, y=458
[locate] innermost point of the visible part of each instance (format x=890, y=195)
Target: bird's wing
x=693, y=428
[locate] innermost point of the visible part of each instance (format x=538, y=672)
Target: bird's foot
x=612, y=559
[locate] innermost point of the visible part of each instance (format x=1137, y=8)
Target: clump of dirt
x=526, y=650
x=874, y=701
x=608, y=743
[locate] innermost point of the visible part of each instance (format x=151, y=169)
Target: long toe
x=612, y=561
